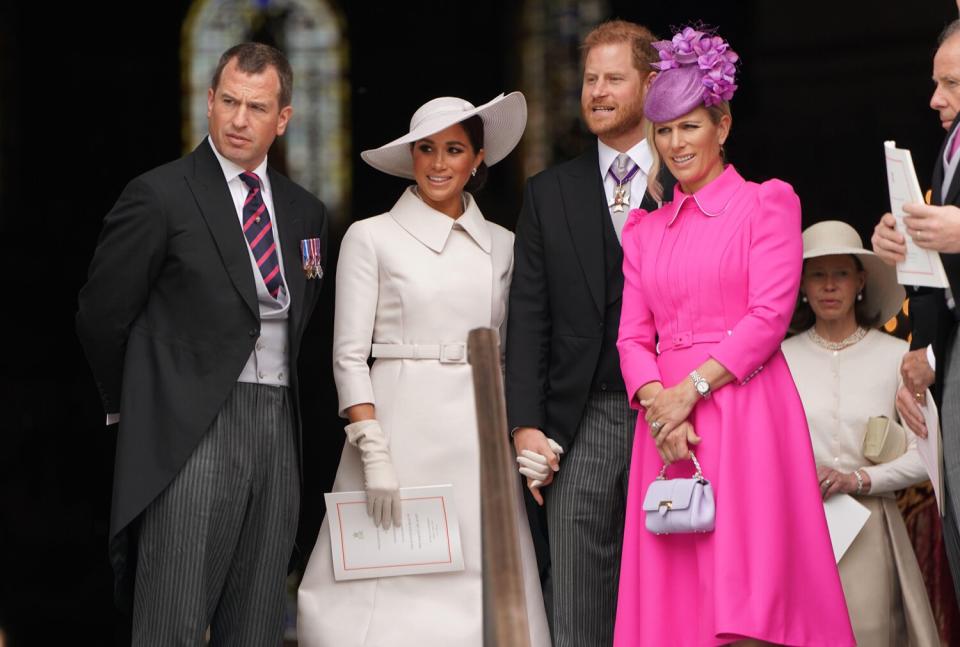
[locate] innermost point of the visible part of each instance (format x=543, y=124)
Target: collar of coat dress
x=432, y=228
x=712, y=200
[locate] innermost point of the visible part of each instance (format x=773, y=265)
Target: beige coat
x=840, y=390
x=414, y=276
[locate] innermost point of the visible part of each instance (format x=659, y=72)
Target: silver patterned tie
x=620, y=203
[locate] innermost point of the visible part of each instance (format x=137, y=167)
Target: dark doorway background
x=90, y=97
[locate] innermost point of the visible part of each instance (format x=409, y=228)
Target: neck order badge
x=621, y=195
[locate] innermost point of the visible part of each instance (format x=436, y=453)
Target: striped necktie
x=258, y=230
x=954, y=145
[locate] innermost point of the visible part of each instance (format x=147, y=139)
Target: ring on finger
x=827, y=482
x=656, y=426
x=918, y=396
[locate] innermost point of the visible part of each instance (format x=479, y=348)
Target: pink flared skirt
x=767, y=570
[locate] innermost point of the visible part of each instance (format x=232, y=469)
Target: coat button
x=254, y=332
x=603, y=387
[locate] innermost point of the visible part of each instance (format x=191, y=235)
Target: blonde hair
x=654, y=187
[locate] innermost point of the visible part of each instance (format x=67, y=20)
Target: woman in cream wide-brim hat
x=411, y=284
x=847, y=371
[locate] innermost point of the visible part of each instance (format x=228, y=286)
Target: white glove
x=535, y=466
x=379, y=477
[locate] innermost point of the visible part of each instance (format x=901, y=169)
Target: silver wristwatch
x=700, y=384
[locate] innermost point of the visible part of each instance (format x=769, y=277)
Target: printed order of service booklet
x=922, y=266
x=427, y=540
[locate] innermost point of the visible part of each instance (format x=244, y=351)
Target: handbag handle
x=698, y=476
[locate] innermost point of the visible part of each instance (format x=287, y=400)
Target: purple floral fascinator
x=696, y=67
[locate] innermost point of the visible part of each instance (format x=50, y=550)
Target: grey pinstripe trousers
x=585, y=512
x=214, y=546
x=951, y=461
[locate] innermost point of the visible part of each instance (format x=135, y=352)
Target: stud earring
x=473, y=172
x=804, y=298
x=859, y=296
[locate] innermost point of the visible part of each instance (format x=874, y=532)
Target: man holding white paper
x=935, y=356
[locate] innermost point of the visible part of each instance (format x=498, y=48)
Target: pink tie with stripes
x=954, y=145
x=258, y=231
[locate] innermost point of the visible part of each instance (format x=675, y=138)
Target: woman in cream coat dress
x=411, y=284
x=846, y=372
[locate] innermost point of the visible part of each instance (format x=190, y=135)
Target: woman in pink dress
x=710, y=284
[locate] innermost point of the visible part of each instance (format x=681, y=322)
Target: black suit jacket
x=931, y=319
x=169, y=315
x=557, y=297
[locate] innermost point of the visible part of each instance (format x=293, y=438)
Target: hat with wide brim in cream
x=504, y=119
x=883, y=295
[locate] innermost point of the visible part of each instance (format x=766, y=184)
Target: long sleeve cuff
x=897, y=474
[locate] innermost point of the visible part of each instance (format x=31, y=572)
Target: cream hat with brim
x=504, y=119
x=883, y=294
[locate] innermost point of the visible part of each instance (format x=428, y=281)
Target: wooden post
x=504, y=604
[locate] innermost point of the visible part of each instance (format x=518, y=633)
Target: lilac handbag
x=679, y=505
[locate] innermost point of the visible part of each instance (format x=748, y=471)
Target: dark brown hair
x=804, y=317
x=474, y=129
x=254, y=58
x=620, y=31
x=473, y=126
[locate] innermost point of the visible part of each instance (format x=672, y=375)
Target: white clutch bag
x=884, y=440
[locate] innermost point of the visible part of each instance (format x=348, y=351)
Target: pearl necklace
x=857, y=335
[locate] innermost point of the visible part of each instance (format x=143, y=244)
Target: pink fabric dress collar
x=712, y=200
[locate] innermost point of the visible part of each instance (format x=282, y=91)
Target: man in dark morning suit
x=565, y=394
x=934, y=359
x=192, y=316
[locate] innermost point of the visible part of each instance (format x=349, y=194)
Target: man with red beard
x=565, y=393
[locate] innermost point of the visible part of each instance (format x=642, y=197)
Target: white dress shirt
x=268, y=363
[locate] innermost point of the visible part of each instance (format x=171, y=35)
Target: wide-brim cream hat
x=504, y=119
x=883, y=294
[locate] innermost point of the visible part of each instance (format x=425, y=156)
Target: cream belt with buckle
x=449, y=353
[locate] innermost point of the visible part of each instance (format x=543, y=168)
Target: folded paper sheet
x=922, y=267
x=931, y=449
x=845, y=519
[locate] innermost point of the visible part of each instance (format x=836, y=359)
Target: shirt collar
x=432, y=228
x=713, y=199
x=232, y=171
x=640, y=154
